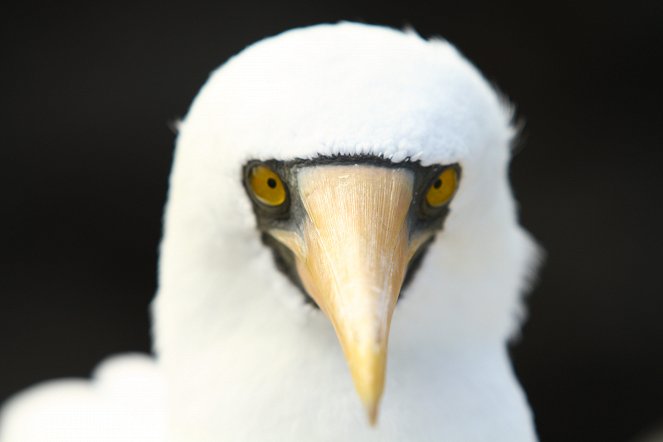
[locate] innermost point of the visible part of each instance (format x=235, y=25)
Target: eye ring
x=266, y=186
x=442, y=188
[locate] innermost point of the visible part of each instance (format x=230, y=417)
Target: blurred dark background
x=88, y=94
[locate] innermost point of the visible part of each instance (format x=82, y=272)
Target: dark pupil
x=271, y=182
x=438, y=183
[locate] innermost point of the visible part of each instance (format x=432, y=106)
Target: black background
x=88, y=92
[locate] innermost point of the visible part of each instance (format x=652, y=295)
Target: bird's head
x=338, y=156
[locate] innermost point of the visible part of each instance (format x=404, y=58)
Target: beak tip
x=368, y=378
x=372, y=411
x=372, y=407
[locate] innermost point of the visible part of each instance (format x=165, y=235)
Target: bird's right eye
x=267, y=186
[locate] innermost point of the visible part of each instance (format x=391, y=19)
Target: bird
x=341, y=259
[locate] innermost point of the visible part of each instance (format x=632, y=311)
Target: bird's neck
x=245, y=356
x=296, y=387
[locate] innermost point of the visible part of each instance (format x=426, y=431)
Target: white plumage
x=240, y=356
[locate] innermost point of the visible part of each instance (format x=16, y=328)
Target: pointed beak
x=352, y=253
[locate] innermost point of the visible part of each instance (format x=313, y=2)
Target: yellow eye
x=267, y=186
x=443, y=188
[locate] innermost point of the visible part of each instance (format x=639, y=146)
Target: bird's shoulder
x=121, y=402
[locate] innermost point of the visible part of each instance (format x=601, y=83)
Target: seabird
x=341, y=260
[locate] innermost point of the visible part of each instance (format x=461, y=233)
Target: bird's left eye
x=267, y=186
x=442, y=188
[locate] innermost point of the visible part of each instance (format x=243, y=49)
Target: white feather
x=124, y=402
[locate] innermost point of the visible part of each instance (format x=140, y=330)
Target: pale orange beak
x=352, y=253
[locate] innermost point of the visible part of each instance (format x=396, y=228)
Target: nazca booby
x=317, y=174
